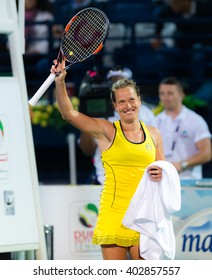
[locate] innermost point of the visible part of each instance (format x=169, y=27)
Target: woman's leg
x=114, y=252
x=134, y=253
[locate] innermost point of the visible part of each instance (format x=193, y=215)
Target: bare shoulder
x=155, y=133
x=156, y=137
x=153, y=130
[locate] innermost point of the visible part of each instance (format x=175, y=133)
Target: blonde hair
x=123, y=83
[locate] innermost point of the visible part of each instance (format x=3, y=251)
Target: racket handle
x=39, y=93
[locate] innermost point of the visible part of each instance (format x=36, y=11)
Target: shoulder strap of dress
x=117, y=124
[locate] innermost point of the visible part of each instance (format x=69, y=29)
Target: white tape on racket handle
x=40, y=92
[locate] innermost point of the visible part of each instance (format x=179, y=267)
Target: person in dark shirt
x=185, y=14
x=183, y=33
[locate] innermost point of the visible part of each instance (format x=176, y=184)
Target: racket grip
x=39, y=93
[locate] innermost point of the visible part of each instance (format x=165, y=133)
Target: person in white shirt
x=88, y=145
x=186, y=136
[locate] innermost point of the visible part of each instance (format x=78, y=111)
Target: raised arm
x=97, y=128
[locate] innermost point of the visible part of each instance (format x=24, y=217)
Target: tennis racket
x=82, y=38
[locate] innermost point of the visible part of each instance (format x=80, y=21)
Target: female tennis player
x=128, y=146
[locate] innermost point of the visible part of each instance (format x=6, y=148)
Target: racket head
x=84, y=35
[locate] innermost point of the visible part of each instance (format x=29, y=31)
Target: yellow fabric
x=124, y=163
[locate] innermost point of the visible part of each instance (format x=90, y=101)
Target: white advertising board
x=18, y=221
x=72, y=211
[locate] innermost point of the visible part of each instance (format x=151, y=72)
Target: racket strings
x=84, y=36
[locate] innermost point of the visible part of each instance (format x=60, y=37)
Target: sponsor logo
x=4, y=147
x=1, y=134
x=88, y=215
x=194, y=238
x=82, y=222
x=148, y=147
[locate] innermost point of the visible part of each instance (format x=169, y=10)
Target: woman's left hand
x=155, y=173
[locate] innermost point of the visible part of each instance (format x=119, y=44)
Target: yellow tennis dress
x=124, y=163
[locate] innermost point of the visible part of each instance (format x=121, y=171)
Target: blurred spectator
x=186, y=137
x=37, y=11
x=88, y=144
x=186, y=33
x=65, y=11
x=119, y=36
x=38, y=51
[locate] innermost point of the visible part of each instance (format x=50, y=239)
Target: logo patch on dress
x=148, y=146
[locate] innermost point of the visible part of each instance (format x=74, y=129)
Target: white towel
x=150, y=210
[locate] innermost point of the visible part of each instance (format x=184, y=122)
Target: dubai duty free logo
x=82, y=222
x=1, y=134
x=88, y=215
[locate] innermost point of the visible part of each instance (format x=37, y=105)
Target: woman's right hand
x=59, y=67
